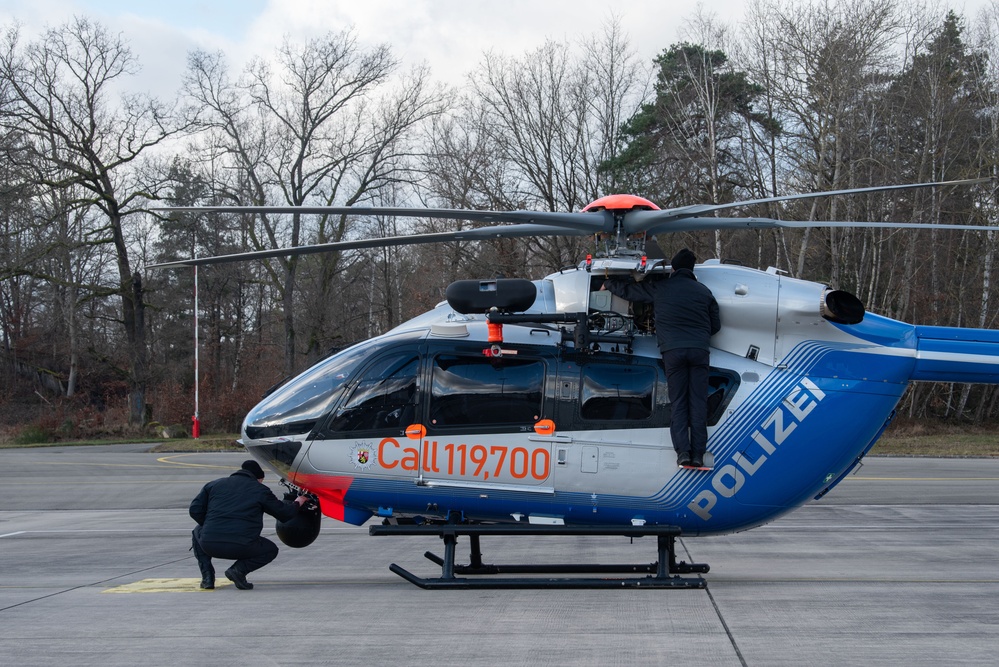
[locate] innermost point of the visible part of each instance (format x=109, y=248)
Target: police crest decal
x=362, y=455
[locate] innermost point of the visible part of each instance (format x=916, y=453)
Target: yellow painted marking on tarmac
x=169, y=460
x=164, y=459
x=103, y=465
x=165, y=586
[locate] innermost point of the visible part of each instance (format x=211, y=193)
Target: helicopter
x=519, y=407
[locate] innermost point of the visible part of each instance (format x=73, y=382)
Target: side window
x=617, y=393
x=474, y=390
x=721, y=388
x=384, y=398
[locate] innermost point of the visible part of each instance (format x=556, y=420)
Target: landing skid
x=662, y=574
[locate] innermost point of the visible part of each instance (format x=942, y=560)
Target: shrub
x=33, y=434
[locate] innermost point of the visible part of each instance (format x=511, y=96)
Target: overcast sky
x=449, y=35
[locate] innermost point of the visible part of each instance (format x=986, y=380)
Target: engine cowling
x=764, y=314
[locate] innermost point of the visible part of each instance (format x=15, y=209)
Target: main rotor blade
x=477, y=234
x=601, y=221
x=645, y=221
x=546, y=223
x=711, y=224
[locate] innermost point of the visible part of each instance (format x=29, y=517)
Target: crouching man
x=230, y=515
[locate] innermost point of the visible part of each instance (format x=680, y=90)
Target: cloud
x=452, y=35
x=449, y=35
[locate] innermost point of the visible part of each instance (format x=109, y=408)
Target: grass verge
x=938, y=444
x=209, y=443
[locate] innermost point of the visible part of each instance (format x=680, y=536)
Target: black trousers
x=687, y=370
x=248, y=557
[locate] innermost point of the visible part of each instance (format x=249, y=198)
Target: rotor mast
x=619, y=242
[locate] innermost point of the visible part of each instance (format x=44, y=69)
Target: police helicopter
x=540, y=408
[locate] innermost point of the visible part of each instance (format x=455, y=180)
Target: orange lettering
x=518, y=471
x=381, y=453
x=412, y=459
x=430, y=457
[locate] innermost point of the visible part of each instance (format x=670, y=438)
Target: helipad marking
x=191, y=585
x=169, y=460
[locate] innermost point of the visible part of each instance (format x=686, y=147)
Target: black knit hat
x=684, y=259
x=254, y=467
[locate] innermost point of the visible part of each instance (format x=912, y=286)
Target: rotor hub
x=620, y=203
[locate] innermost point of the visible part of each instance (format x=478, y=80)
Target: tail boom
x=954, y=354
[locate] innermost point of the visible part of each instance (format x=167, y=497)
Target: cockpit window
x=295, y=407
x=385, y=398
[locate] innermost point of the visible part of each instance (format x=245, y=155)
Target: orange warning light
x=495, y=332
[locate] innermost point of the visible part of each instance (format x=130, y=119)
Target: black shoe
x=683, y=460
x=697, y=461
x=204, y=564
x=239, y=579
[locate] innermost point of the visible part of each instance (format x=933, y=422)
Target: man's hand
x=301, y=500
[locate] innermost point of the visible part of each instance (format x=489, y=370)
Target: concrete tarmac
x=897, y=566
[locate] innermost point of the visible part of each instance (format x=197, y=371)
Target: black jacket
x=686, y=311
x=231, y=509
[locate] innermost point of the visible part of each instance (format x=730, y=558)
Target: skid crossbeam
x=664, y=573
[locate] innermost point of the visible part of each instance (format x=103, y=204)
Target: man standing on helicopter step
x=686, y=319
x=230, y=516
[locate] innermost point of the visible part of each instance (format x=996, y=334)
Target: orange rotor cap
x=621, y=203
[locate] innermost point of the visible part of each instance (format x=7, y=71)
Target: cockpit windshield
x=295, y=407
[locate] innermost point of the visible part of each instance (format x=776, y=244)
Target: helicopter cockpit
x=296, y=407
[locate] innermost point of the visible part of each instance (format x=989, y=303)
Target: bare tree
x=550, y=119
x=619, y=83
x=78, y=135
x=826, y=56
x=537, y=119
x=308, y=128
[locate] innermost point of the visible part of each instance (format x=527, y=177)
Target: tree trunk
x=134, y=316
x=288, y=303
